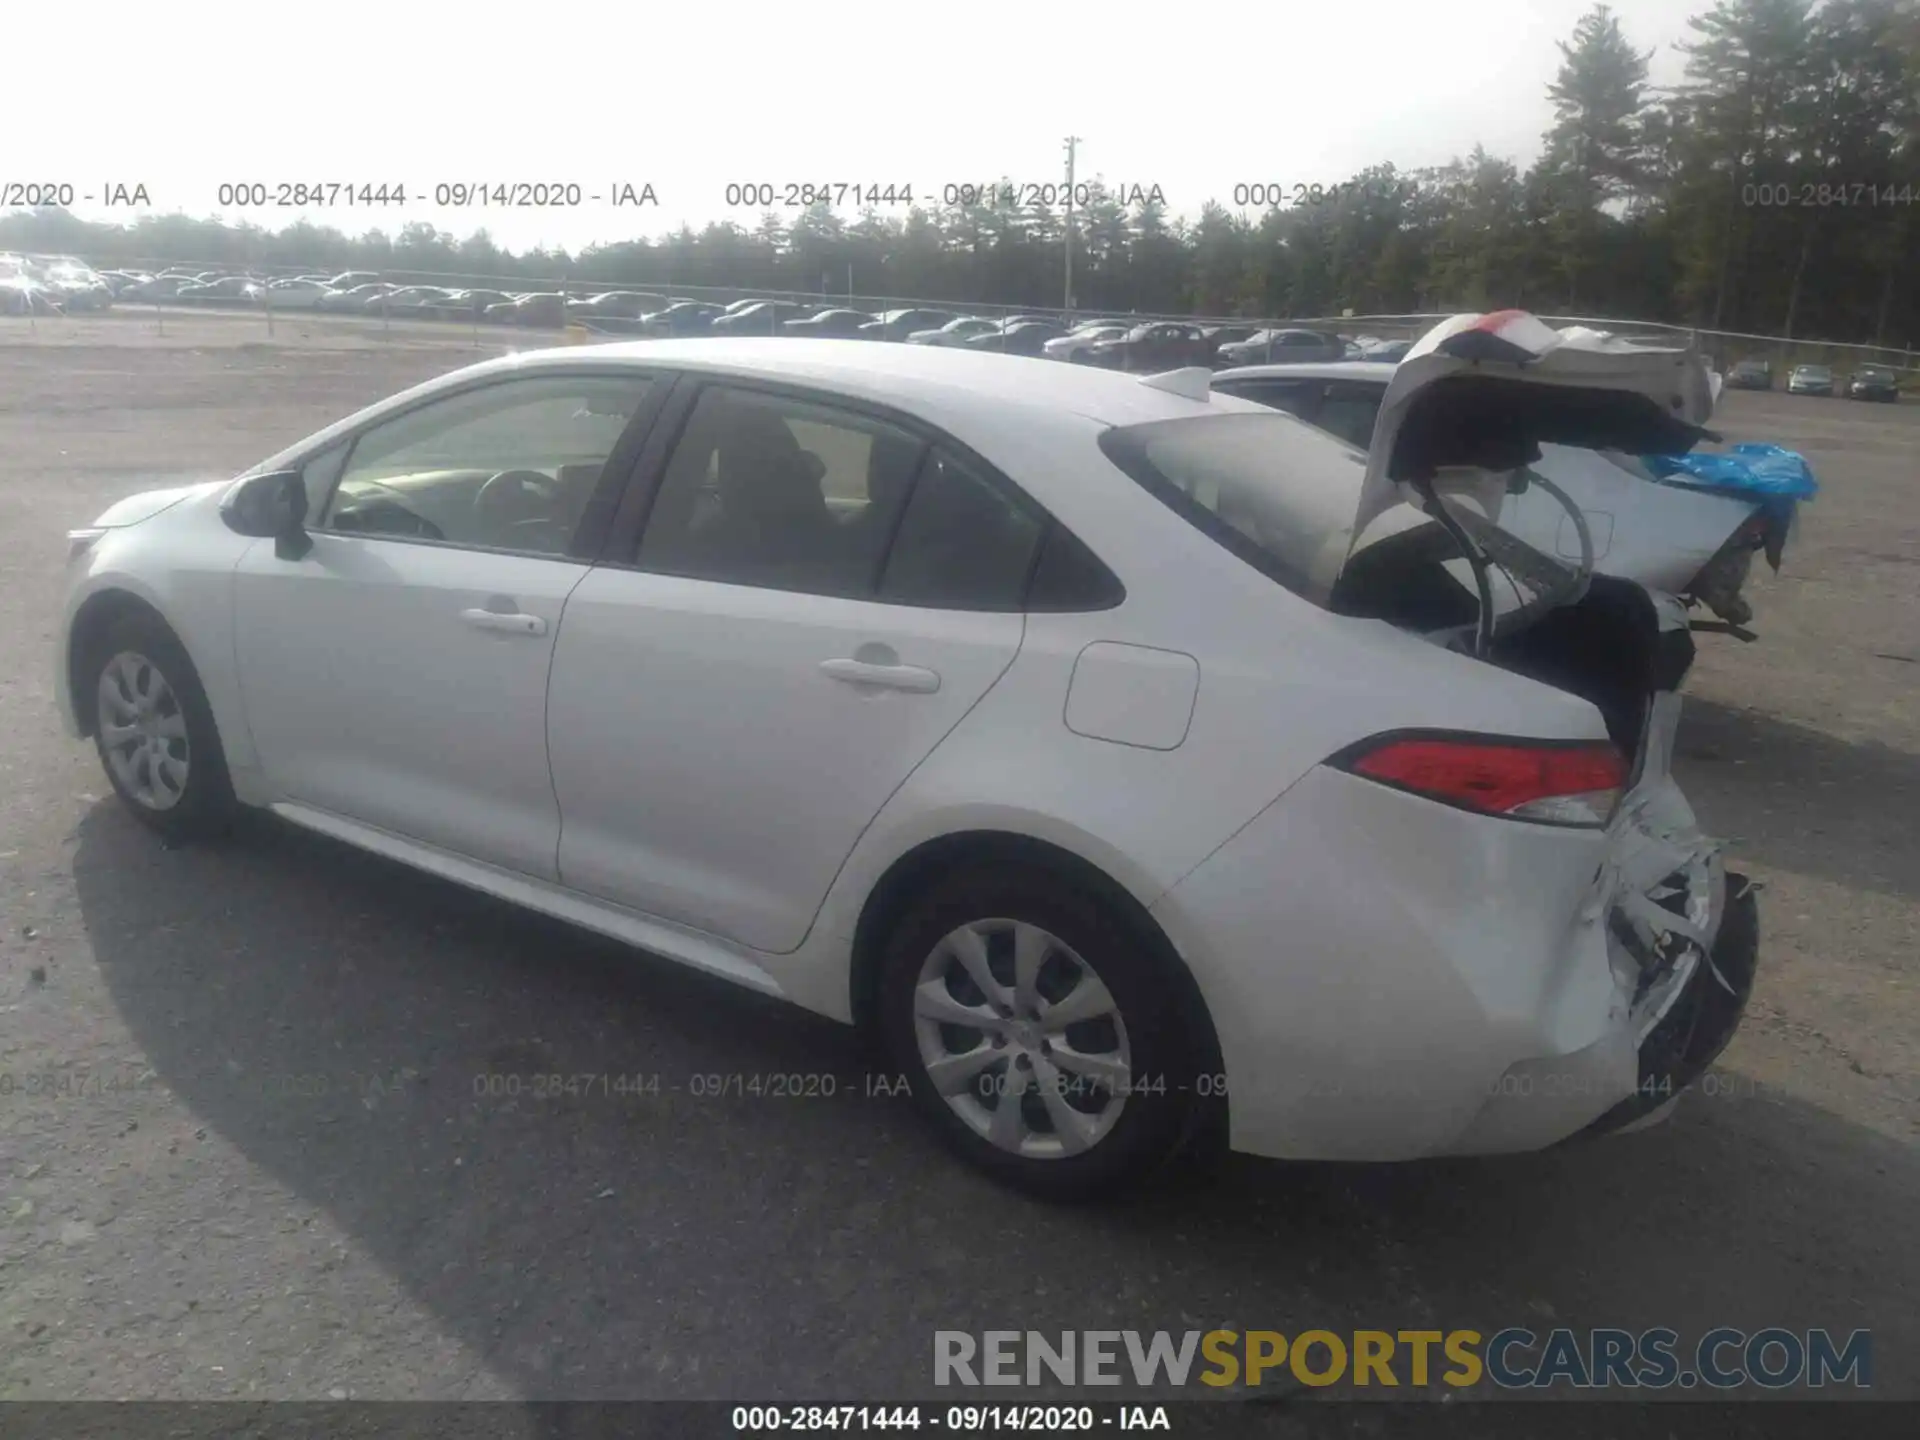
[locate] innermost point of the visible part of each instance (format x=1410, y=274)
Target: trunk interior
x=1608, y=647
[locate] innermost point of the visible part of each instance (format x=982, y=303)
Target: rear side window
x=782, y=493
x=964, y=543
x=1071, y=578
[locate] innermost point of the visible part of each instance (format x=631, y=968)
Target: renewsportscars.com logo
x=1511, y=1359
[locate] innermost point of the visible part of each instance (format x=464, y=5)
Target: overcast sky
x=688, y=99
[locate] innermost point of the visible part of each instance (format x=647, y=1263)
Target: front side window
x=509, y=466
x=779, y=492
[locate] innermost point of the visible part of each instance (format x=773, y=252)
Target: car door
x=819, y=596
x=396, y=674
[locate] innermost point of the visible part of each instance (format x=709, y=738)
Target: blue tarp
x=1775, y=477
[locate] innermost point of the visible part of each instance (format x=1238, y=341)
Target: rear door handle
x=505, y=623
x=910, y=678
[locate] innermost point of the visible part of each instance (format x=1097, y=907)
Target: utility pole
x=1073, y=141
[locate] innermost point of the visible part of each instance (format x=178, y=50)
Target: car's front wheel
x=1040, y=1033
x=155, y=731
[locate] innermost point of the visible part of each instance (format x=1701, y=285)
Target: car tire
x=140, y=669
x=1129, y=1130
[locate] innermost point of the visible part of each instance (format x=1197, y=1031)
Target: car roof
x=1380, y=370
x=967, y=392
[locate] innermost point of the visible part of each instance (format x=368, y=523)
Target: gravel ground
x=263, y=1170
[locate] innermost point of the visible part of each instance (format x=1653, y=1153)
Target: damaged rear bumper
x=1702, y=1020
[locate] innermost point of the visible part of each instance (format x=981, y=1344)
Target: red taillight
x=1555, y=783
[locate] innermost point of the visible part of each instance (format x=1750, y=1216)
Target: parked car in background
x=682, y=317
x=1384, y=351
x=468, y=305
x=759, y=317
x=1027, y=337
x=1281, y=347
x=1810, y=380
x=1087, y=335
x=157, y=288
x=614, y=304
x=956, y=331
x=1141, y=810
x=899, y=324
x=842, y=324
x=1750, y=375
x=1227, y=334
x=546, y=309
x=293, y=294
x=409, y=302
x=1874, y=382
x=353, y=279
x=1157, y=345
x=23, y=295
x=1682, y=541
x=76, y=284
x=354, y=300
x=229, y=290
x=22, y=291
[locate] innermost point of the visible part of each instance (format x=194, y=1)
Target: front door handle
x=910, y=678
x=505, y=623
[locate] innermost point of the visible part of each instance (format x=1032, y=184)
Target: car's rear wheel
x=155, y=731
x=1043, y=1037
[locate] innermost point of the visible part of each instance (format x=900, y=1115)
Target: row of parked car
x=1117, y=342
x=1869, y=382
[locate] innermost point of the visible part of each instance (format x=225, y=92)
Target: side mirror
x=273, y=507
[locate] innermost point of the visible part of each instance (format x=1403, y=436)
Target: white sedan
x=1035, y=717
x=955, y=332
x=1074, y=341
x=294, y=294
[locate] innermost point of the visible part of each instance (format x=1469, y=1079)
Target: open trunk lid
x=1478, y=395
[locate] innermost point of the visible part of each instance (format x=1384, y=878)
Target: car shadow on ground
x=1793, y=798
x=348, y=1025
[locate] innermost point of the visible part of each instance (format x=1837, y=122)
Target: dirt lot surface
x=262, y=1169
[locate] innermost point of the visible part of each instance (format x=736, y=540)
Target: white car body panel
x=1372, y=961
x=369, y=695
x=717, y=689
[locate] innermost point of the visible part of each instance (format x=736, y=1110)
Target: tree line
x=1775, y=190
